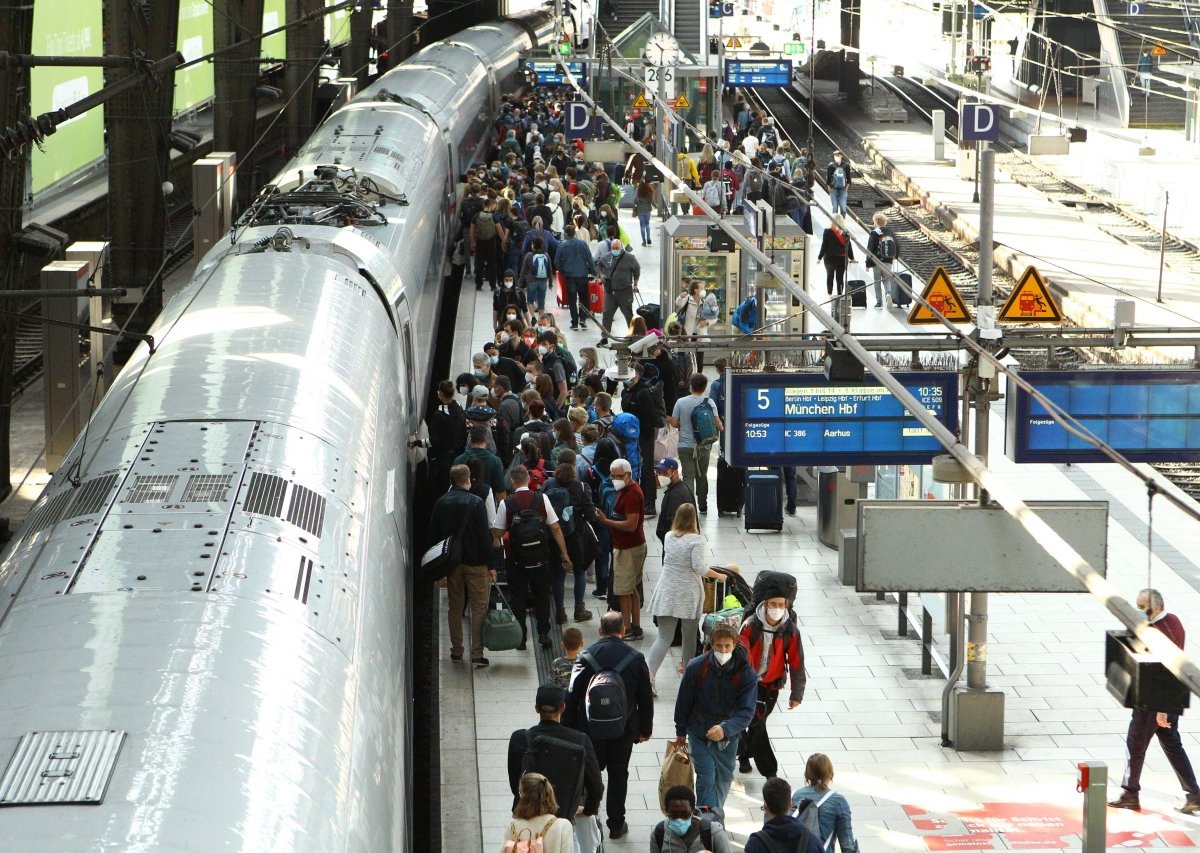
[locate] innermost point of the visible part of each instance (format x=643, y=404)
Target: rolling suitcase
x=560, y=289
x=901, y=298
x=858, y=293
x=651, y=314
x=731, y=488
x=764, y=501
x=595, y=296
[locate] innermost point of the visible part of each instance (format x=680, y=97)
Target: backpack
x=560, y=498
x=560, y=761
x=708, y=310
x=540, y=265
x=516, y=234
x=485, y=226
x=887, y=248
x=704, y=423
x=614, y=195
x=653, y=380
x=714, y=193
x=806, y=811
x=607, y=498
x=537, y=474
x=745, y=314
x=684, y=366
x=754, y=181
x=528, y=844
x=768, y=137
x=706, y=833
x=528, y=533
x=572, y=369
x=839, y=178
x=606, y=704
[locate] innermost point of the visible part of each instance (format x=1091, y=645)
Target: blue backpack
x=627, y=429
x=704, y=423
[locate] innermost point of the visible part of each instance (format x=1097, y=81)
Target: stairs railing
x=1112, y=62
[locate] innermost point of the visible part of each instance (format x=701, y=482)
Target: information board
x=758, y=72
x=803, y=419
x=551, y=73
x=1147, y=415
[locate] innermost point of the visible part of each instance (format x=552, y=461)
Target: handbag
x=501, y=631
x=441, y=557
x=676, y=770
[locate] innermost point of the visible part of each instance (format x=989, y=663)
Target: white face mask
x=776, y=613
x=723, y=657
x=529, y=377
x=544, y=350
x=619, y=484
x=504, y=336
x=663, y=481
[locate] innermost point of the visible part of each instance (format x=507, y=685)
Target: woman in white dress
x=679, y=595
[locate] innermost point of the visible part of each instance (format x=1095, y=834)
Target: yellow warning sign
x=733, y=41
x=943, y=298
x=1158, y=50
x=640, y=102
x=682, y=103
x=1030, y=301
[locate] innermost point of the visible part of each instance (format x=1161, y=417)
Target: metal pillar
x=304, y=43
x=851, y=20
x=235, y=106
x=99, y=312
x=398, y=31
x=136, y=124
x=356, y=53
x=65, y=414
x=1093, y=784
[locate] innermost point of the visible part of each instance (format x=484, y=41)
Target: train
x=204, y=642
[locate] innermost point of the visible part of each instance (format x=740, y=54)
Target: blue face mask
x=495, y=359
x=479, y=373
x=681, y=826
x=617, y=252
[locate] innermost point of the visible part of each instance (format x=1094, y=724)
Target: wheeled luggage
x=595, y=296
x=901, y=297
x=764, y=500
x=651, y=313
x=731, y=488
x=858, y=293
x=560, y=289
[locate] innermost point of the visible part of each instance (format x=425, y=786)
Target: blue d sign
x=579, y=123
x=1137, y=8
x=980, y=123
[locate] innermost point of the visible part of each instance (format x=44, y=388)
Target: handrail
x=1112, y=65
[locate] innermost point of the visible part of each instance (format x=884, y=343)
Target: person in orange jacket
x=772, y=641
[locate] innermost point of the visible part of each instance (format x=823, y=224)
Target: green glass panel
x=274, y=16
x=194, y=85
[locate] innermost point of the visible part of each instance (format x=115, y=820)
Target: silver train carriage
x=202, y=642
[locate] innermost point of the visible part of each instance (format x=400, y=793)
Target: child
x=572, y=642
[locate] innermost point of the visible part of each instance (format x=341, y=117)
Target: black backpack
x=562, y=762
x=528, y=533
x=605, y=702
x=560, y=498
x=706, y=833
x=774, y=846
x=887, y=249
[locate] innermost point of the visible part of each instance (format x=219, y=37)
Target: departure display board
x=802, y=419
x=758, y=72
x=551, y=73
x=1147, y=415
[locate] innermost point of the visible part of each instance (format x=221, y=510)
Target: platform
x=866, y=705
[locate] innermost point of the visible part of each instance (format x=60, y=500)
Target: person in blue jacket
x=745, y=316
x=714, y=707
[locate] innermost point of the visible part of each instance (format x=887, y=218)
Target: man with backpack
x=772, y=642
x=782, y=833
x=484, y=245
x=563, y=755
x=837, y=178
x=699, y=425
x=610, y=701
x=530, y=522
x=685, y=830
x=638, y=399
x=714, y=706
x=554, y=364
x=881, y=244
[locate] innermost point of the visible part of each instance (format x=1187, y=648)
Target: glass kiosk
x=685, y=253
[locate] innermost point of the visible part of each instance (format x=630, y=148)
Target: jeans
x=714, y=764
x=603, y=557
x=666, y=633
x=577, y=289
x=837, y=200
x=467, y=586
x=560, y=584
x=535, y=293
x=834, y=268
x=613, y=756
x=644, y=222
x=755, y=743
x=694, y=461
x=531, y=585
x=1143, y=727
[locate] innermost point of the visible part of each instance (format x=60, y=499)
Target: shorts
x=627, y=569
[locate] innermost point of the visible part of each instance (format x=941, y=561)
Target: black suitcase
x=901, y=298
x=858, y=293
x=731, y=488
x=764, y=501
x=651, y=314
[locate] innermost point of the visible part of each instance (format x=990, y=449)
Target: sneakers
x=704, y=509
x=651, y=512
x=582, y=614
x=479, y=663
x=456, y=657
x=599, y=593
x=744, y=765
x=634, y=634
x=1128, y=801
x=878, y=304
x=791, y=510
x=574, y=327
x=583, y=327
x=544, y=640
x=560, y=616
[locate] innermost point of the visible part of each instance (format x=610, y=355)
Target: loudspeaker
x=1138, y=681
x=718, y=240
x=841, y=366
x=1077, y=134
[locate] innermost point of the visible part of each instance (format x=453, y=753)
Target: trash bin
x=828, y=506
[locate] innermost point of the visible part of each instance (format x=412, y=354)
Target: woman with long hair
x=838, y=253
x=643, y=206
x=833, y=809
x=536, y=817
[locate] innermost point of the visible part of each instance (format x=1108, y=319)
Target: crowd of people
x=548, y=470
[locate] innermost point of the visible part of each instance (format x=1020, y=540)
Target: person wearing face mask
x=837, y=178
x=508, y=303
x=629, y=545
x=675, y=494
x=714, y=706
x=772, y=642
x=481, y=369
x=621, y=272
x=447, y=435
x=503, y=367
x=685, y=830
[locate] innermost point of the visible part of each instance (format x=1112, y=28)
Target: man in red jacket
x=1147, y=724
x=772, y=640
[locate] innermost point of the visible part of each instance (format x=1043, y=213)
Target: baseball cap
x=667, y=463
x=550, y=696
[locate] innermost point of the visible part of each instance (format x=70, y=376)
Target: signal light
x=981, y=64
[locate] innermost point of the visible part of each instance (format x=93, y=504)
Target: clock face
x=662, y=49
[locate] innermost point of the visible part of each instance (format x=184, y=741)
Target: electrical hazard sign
x=733, y=42
x=640, y=102
x=942, y=296
x=1030, y=301
x=682, y=103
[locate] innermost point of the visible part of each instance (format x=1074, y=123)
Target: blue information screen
x=803, y=419
x=1147, y=415
x=551, y=73
x=758, y=72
